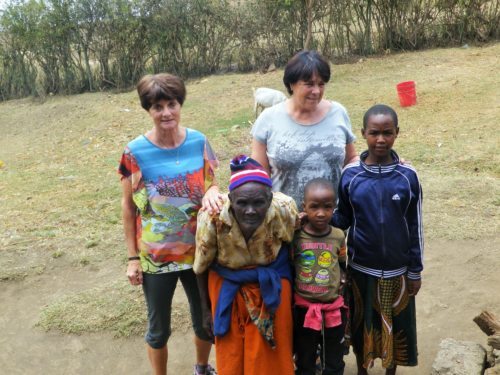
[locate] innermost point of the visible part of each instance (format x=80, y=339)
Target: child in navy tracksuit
x=380, y=200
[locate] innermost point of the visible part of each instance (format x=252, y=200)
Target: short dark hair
x=303, y=65
x=380, y=109
x=163, y=86
x=319, y=182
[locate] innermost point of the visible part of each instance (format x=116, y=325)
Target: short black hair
x=303, y=65
x=319, y=182
x=380, y=109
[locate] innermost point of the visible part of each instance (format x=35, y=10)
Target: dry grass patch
x=115, y=307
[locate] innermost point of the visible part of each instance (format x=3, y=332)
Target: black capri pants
x=159, y=290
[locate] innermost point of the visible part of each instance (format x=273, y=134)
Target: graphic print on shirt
x=313, y=274
x=168, y=196
x=320, y=160
x=168, y=229
x=317, y=269
x=325, y=259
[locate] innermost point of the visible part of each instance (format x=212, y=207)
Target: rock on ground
x=493, y=361
x=459, y=358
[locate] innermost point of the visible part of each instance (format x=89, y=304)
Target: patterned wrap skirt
x=382, y=320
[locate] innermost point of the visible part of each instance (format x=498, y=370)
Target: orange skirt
x=243, y=350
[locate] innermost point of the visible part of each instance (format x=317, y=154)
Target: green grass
x=60, y=193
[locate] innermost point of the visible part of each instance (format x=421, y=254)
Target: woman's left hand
x=212, y=201
x=134, y=272
x=414, y=287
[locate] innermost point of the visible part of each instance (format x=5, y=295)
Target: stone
x=459, y=358
x=496, y=357
x=492, y=371
x=490, y=357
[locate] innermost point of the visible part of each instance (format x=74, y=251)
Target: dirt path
x=459, y=281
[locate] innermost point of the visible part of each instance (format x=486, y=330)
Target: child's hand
x=344, y=282
x=414, y=287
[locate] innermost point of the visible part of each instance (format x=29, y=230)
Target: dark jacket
x=382, y=206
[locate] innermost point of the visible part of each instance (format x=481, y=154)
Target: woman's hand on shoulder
x=302, y=219
x=212, y=201
x=351, y=155
x=134, y=272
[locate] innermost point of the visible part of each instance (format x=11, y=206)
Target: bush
x=71, y=46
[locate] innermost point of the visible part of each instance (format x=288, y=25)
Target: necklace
x=177, y=156
x=170, y=151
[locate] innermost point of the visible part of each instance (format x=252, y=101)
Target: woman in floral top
x=167, y=175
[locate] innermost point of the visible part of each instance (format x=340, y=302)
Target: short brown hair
x=163, y=86
x=303, y=65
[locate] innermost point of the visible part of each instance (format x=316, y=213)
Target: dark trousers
x=159, y=291
x=306, y=342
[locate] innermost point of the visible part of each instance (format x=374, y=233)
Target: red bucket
x=407, y=94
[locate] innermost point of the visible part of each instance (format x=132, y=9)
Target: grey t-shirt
x=298, y=153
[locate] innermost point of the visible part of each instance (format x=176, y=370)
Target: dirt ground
x=459, y=281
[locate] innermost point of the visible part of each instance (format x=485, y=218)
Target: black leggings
x=306, y=341
x=159, y=290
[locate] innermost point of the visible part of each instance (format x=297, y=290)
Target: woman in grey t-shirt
x=306, y=136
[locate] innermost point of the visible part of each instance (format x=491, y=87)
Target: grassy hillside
x=59, y=189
